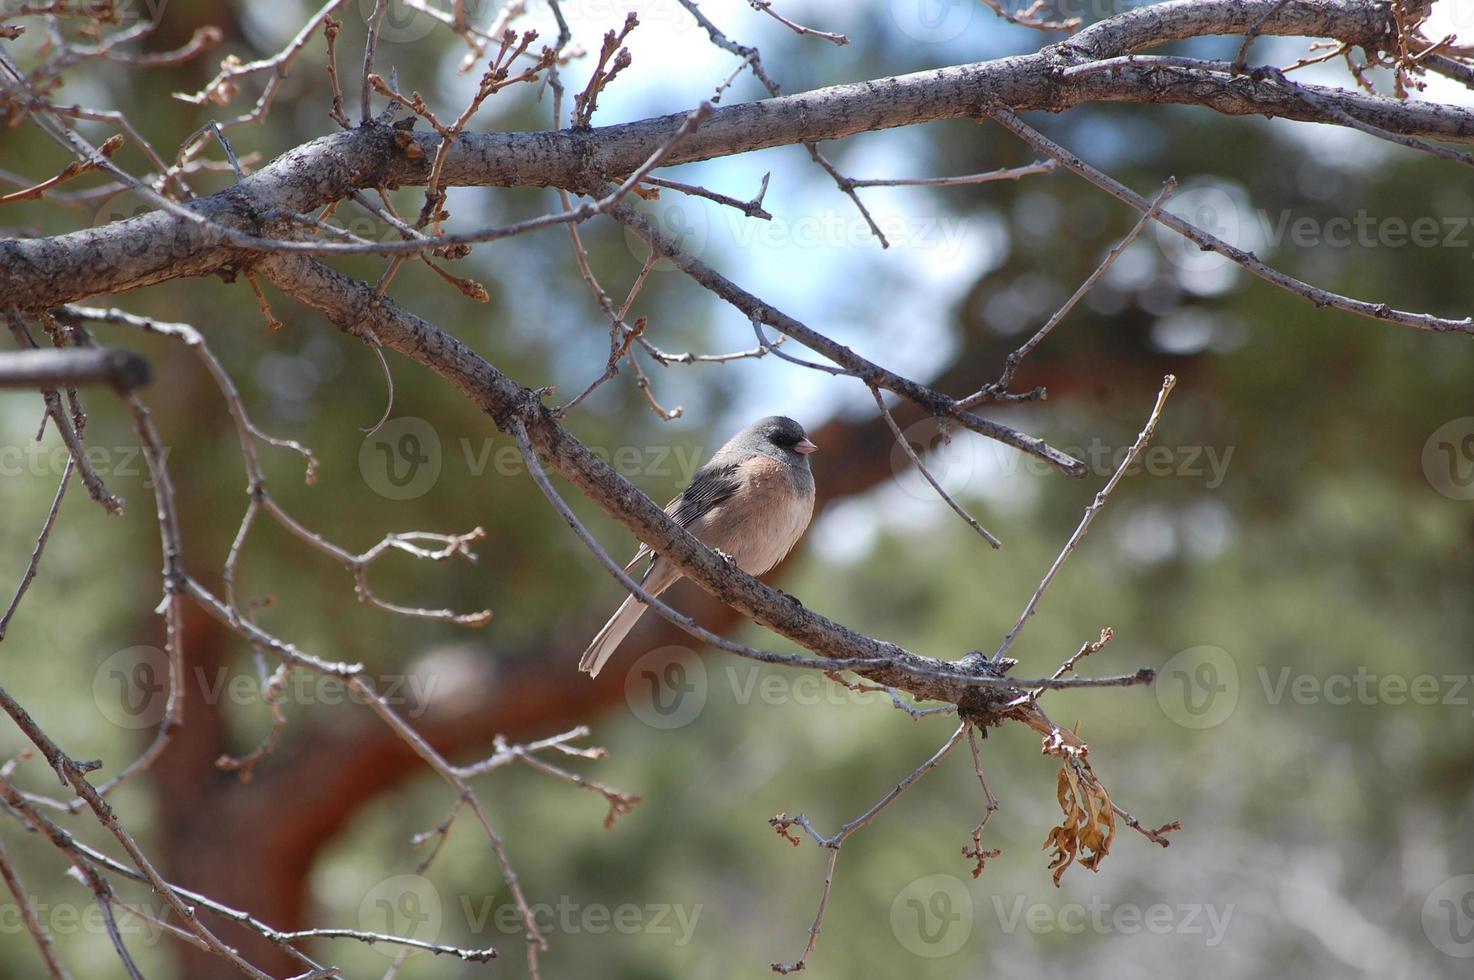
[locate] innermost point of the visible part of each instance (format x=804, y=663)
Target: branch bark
x=122, y=370
x=155, y=247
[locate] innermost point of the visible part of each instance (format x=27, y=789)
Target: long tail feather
x=613, y=633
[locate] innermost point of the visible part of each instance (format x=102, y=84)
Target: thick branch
x=159, y=246
x=72, y=368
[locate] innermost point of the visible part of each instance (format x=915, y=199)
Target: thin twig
x=977, y=852
x=783, y=823
x=905, y=444
x=35, y=562
x=24, y=902
x=1168, y=383
x=1006, y=173
x=1013, y=360
x=766, y=6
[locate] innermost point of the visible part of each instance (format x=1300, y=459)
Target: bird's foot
x=725, y=557
x=792, y=598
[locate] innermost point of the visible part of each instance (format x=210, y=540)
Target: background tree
x=1293, y=559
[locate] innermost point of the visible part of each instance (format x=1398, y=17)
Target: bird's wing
x=711, y=486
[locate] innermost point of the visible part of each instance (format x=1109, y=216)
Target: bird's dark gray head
x=777, y=436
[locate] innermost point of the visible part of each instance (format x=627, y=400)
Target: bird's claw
x=792, y=598
x=725, y=557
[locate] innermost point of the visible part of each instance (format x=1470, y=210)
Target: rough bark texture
x=152, y=248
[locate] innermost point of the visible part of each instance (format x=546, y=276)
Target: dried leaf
x=1089, y=824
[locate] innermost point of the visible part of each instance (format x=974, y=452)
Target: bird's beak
x=806, y=447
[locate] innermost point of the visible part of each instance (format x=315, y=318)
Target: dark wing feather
x=711, y=486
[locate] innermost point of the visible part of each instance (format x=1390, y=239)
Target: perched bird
x=751, y=502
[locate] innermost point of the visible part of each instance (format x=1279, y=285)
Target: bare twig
x=64, y=427
x=977, y=852
x=24, y=903
x=1007, y=173
x=783, y=823
x=370, y=48
x=1029, y=17
x=766, y=6
x=35, y=561
x=1168, y=383
x=752, y=208
x=916, y=461
x=1011, y=364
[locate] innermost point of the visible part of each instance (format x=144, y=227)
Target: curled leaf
x=1089, y=824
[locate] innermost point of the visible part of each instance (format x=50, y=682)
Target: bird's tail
x=613, y=633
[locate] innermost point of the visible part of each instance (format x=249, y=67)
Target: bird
x=751, y=503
